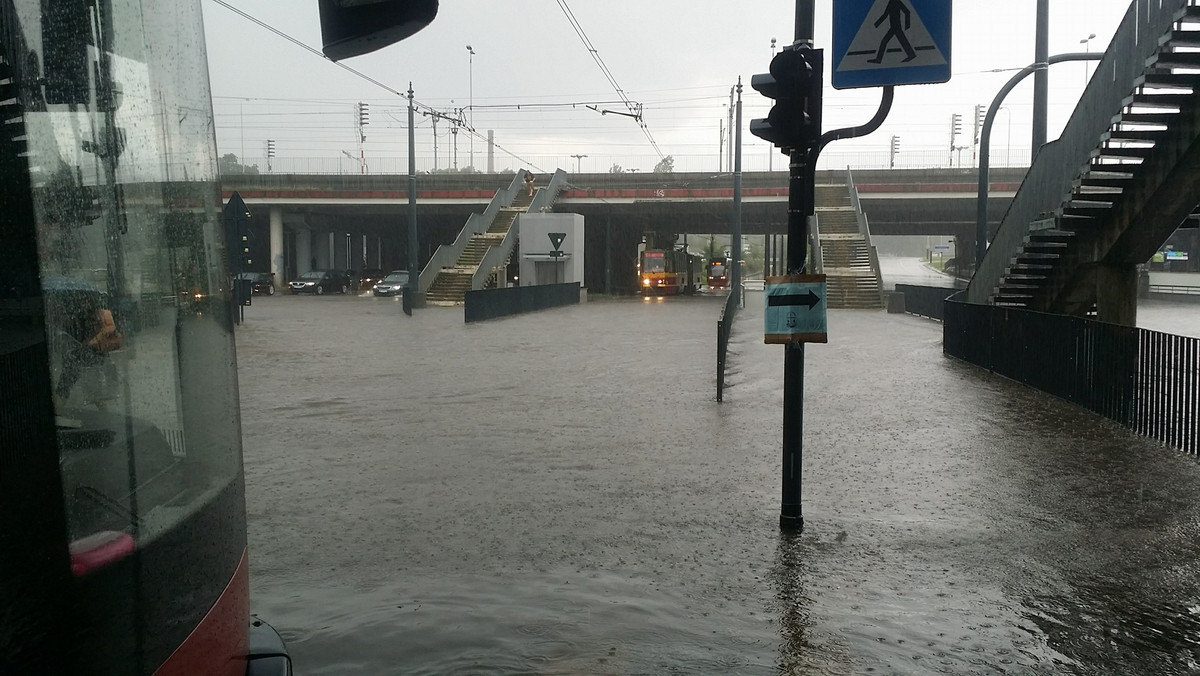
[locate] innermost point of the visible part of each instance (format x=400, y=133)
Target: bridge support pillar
x=276, y=237
x=1116, y=293
x=304, y=252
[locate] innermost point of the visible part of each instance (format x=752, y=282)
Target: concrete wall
x=539, y=261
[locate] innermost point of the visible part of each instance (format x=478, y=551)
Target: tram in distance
x=666, y=272
x=123, y=546
x=718, y=272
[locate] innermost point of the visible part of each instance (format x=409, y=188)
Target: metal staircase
x=486, y=242
x=1118, y=182
x=847, y=256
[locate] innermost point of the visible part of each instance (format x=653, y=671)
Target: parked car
x=392, y=284
x=321, y=282
x=260, y=282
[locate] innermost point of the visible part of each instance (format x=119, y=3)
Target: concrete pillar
x=1116, y=294
x=276, y=257
x=304, y=252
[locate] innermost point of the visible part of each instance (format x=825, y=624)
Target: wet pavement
x=559, y=493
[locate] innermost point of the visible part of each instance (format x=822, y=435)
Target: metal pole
x=1041, y=79
x=608, y=253
x=413, y=267
x=985, y=143
x=736, y=278
x=801, y=190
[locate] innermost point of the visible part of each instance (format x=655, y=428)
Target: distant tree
x=228, y=164
x=616, y=169
x=666, y=165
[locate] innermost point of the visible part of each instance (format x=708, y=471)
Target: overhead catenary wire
x=635, y=109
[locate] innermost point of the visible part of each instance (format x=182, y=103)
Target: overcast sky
x=677, y=58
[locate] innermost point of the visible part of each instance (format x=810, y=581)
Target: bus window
x=108, y=143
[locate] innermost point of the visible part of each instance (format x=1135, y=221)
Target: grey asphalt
x=560, y=493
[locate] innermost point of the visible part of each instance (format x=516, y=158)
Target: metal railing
x=724, y=328
x=864, y=229
x=631, y=164
x=925, y=301
x=1144, y=380
x=481, y=305
x=1057, y=164
x=447, y=254
x=497, y=256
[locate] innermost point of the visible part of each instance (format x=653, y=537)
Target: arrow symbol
x=807, y=298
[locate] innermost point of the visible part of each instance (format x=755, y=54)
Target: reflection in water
x=795, y=651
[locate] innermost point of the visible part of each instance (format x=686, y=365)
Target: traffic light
x=795, y=83
x=363, y=114
x=980, y=112
x=270, y=148
x=895, y=150
x=955, y=127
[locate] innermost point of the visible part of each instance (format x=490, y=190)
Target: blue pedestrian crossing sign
x=890, y=42
x=795, y=311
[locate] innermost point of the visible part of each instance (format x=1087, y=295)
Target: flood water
x=560, y=493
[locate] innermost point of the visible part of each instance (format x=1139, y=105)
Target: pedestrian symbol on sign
x=891, y=14
x=890, y=42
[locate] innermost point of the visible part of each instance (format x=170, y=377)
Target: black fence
x=724, y=326
x=1145, y=380
x=493, y=303
x=925, y=301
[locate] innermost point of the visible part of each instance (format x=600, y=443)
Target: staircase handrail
x=447, y=254
x=864, y=228
x=1057, y=165
x=499, y=254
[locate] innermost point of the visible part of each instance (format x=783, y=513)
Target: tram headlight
x=646, y=281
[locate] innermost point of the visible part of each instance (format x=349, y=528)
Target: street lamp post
x=471, y=99
x=1087, y=48
x=579, y=163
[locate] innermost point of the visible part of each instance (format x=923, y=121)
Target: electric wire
x=635, y=110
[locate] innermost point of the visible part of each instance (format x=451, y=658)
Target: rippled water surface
x=559, y=493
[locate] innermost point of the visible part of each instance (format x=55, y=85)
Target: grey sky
x=678, y=58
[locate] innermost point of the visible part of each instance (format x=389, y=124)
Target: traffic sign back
x=890, y=42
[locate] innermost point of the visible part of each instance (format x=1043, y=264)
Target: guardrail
x=1175, y=289
x=925, y=301
x=494, y=303
x=724, y=328
x=1144, y=380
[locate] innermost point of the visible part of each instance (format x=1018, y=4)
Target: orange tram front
x=667, y=272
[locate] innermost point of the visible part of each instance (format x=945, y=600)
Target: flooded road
x=559, y=493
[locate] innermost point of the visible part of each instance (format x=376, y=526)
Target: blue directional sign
x=890, y=42
x=795, y=311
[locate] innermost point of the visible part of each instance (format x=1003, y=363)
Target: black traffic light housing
x=355, y=27
x=795, y=82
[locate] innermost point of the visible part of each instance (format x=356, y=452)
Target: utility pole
x=410, y=290
x=1041, y=78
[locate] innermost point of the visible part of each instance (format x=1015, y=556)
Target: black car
x=392, y=284
x=321, y=282
x=260, y=282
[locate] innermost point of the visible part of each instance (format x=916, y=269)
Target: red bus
x=122, y=509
